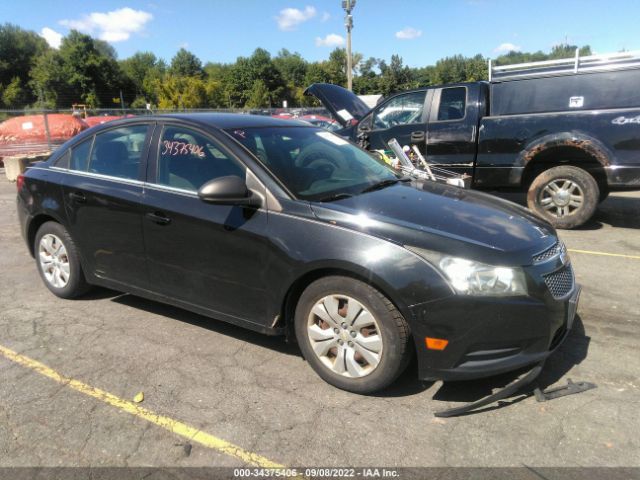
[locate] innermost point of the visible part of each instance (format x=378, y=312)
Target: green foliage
x=243, y=75
x=185, y=64
x=259, y=95
x=557, y=52
x=12, y=96
x=460, y=69
x=85, y=70
x=179, y=92
x=19, y=50
x=80, y=72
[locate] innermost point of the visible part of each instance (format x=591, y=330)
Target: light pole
x=348, y=6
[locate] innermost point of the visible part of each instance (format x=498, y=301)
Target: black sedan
x=288, y=229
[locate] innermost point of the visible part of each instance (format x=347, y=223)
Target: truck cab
x=443, y=121
x=564, y=131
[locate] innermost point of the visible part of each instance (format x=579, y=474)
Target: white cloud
x=408, y=33
x=331, y=40
x=114, y=26
x=290, y=18
x=325, y=16
x=506, y=48
x=53, y=38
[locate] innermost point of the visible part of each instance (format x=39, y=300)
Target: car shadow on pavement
x=276, y=343
x=572, y=352
x=616, y=211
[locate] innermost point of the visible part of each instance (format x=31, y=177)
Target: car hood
x=343, y=104
x=444, y=219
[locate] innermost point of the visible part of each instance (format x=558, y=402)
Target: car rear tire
x=58, y=261
x=351, y=334
x=565, y=196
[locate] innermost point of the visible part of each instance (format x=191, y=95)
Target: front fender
x=310, y=246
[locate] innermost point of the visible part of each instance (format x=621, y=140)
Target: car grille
x=557, y=249
x=561, y=282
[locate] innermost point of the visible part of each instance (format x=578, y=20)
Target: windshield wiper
x=385, y=183
x=335, y=196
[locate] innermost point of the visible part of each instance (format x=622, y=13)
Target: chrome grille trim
x=557, y=249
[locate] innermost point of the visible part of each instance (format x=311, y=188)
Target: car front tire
x=351, y=334
x=565, y=196
x=58, y=261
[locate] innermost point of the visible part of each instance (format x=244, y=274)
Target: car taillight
x=20, y=182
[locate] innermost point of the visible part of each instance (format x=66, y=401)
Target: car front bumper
x=490, y=336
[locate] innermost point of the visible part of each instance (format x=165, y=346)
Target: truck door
x=453, y=127
x=402, y=117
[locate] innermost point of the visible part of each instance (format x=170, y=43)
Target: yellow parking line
x=606, y=254
x=179, y=428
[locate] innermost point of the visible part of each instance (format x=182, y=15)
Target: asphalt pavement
x=257, y=394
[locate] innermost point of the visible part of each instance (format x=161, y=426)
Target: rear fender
x=587, y=144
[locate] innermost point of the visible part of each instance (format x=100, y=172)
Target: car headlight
x=474, y=278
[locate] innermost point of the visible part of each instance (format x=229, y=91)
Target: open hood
x=343, y=104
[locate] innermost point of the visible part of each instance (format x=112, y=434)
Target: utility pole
x=348, y=6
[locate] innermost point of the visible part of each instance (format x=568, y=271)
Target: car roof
x=218, y=120
x=229, y=120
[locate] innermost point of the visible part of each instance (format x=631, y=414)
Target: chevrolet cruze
x=288, y=229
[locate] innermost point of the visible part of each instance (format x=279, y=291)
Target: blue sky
x=421, y=31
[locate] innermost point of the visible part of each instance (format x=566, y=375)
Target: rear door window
x=453, y=102
x=118, y=152
x=80, y=155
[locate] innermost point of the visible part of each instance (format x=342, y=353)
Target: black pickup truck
x=565, y=131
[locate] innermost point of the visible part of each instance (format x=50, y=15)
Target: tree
x=181, y=92
x=259, y=96
x=460, y=69
x=143, y=69
x=217, y=79
x=137, y=67
x=557, y=52
x=395, y=76
x=245, y=72
x=19, y=50
x=80, y=71
x=367, y=81
x=13, y=95
x=185, y=64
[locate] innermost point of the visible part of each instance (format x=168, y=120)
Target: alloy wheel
x=561, y=197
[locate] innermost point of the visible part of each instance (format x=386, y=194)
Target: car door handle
x=418, y=136
x=78, y=197
x=159, y=218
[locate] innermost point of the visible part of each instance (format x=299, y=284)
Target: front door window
x=188, y=159
x=401, y=110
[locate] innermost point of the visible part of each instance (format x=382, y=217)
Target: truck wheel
x=58, y=261
x=565, y=196
x=351, y=335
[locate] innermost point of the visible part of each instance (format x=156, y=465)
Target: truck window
x=452, y=103
x=400, y=110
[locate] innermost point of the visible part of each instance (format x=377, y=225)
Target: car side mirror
x=230, y=190
x=365, y=124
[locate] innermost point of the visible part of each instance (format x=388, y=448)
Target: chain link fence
x=36, y=133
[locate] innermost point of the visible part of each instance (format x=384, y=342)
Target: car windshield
x=315, y=164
